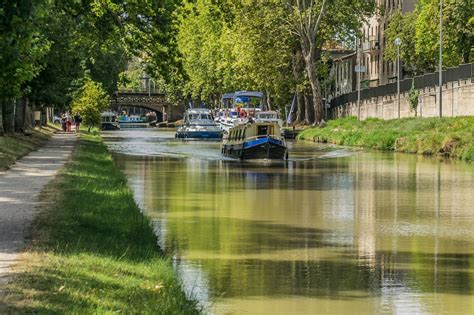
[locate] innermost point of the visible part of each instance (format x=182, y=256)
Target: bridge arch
x=149, y=100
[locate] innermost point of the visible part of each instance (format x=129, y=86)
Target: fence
x=463, y=72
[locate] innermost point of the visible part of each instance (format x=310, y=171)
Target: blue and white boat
x=238, y=108
x=198, y=124
x=260, y=140
x=132, y=122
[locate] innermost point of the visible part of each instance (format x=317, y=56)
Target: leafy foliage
x=419, y=32
x=21, y=45
x=90, y=101
x=413, y=96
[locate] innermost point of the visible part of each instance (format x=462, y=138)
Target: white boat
x=198, y=124
x=229, y=119
x=269, y=116
x=238, y=108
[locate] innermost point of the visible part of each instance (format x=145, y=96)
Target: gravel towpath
x=20, y=188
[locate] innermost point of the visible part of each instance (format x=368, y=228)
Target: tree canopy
x=199, y=49
x=419, y=32
x=90, y=101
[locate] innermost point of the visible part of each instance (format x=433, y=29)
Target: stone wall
x=458, y=100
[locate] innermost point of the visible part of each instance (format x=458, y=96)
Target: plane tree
x=22, y=47
x=314, y=23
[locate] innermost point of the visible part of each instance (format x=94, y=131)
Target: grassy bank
x=93, y=251
x=449, y=137
x=13, y=147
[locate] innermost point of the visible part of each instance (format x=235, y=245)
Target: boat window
x=262, y=130
x=240, y=134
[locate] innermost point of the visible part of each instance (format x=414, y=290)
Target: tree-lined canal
x=330, y=231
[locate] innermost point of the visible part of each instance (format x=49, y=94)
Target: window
x=262, y=130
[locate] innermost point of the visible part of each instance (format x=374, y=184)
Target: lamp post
x=441, y=58
x=398, y=42
x=359, y=70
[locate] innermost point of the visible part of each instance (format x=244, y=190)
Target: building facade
x=370, y=51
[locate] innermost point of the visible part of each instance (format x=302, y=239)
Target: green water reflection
x=368, y=233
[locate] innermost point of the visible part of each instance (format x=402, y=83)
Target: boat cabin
x=254, y=131
x=269, y=116
x=197, y=115
x=109, y=121
x=261, y=140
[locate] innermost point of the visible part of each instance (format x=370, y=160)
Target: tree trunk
x=308, y=106
x=298, y=75
x=20, y=115
x=269, y=103
x=1, y=118
x=300, y=111
x=30, y=116
x=315, y=87
x=311, y=54
x=8, y=116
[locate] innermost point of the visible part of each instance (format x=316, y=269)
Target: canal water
x=331, y=231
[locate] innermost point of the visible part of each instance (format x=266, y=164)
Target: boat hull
x=133, y=124
x=199, y=135
x=110, y=126
x=262, y=148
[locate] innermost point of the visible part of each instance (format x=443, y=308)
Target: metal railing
x=430, y=80
x=138, y=91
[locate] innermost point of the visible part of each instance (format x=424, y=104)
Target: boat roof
x=103, y=114
x=268, y=112
x=228, y=96
x=233, y=95
x=248, y=94
x=198, y=111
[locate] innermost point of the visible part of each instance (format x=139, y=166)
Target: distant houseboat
x=132, y=122
x=260, y=140
x=198, y=124
x=109, y=121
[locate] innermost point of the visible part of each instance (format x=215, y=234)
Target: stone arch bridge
x=153, y=101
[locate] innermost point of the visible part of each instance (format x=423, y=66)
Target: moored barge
x=260, y=140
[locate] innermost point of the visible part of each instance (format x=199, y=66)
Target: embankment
x=92, y=250
x=447, y=137
x=13, y=147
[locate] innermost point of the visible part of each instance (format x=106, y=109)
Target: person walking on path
x=77, y=122
x=20, y=188
x=63, y=121
x=68, y=122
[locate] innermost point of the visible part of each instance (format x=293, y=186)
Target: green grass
x=13, y=147
x=447, y=137
x=93, y=250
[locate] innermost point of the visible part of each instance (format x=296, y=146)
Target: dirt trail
x=19, y=196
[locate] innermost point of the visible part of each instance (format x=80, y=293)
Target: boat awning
x=228, y=96
x=248, y=94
